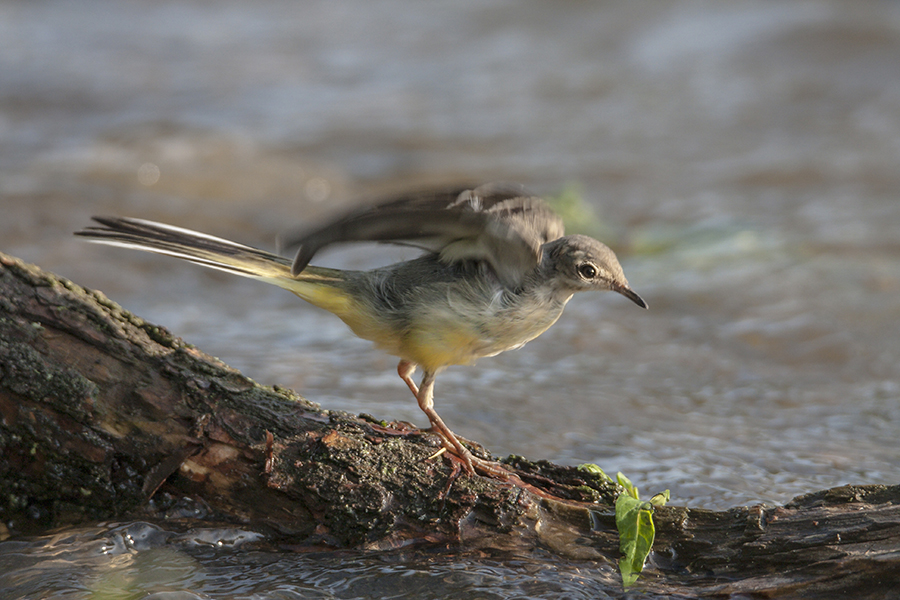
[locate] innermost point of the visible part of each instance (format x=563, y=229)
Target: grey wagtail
x=496, y=273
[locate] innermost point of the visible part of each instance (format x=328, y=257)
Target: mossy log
x=103, y=415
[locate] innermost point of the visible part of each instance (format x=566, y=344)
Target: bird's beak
x=631, y=295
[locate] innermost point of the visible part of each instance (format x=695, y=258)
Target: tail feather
x=325, y=288
x=199, y=248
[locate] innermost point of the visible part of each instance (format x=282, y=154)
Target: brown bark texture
x=103, y=415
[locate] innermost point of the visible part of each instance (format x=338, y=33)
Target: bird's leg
x=425, y=397
x=406, y=369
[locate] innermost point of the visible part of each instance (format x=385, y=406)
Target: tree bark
x=103, y=415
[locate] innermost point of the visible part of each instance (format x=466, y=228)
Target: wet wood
x=103, y=415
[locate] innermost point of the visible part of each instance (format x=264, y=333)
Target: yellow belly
x=444, y=344
x=439, y=342
x=432, y=346
x=452, y=331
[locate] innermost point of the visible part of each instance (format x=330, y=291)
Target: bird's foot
x=490, y=468
x=456, y=452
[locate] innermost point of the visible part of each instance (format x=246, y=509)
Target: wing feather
x=500, y=224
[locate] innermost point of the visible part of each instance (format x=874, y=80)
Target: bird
x=495, y=272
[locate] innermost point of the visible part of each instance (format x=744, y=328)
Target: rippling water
x=741, y=158
x=140, y=560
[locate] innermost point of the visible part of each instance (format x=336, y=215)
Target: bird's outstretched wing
x=498, y=223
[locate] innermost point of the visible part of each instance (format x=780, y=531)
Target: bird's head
x=578, y=263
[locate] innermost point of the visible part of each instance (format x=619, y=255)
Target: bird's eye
x=587, y=270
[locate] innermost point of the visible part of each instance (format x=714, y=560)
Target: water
x=741, y=158
x=140, y=560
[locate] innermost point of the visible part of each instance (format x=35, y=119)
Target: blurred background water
x=742, y=158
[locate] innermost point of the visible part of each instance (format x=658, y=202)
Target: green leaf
x=629, y=487
x=634, y=521
x=660, y=499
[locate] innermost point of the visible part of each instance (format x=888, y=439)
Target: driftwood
x=103, y=415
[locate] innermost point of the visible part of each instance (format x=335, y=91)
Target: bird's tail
x=322, y=287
